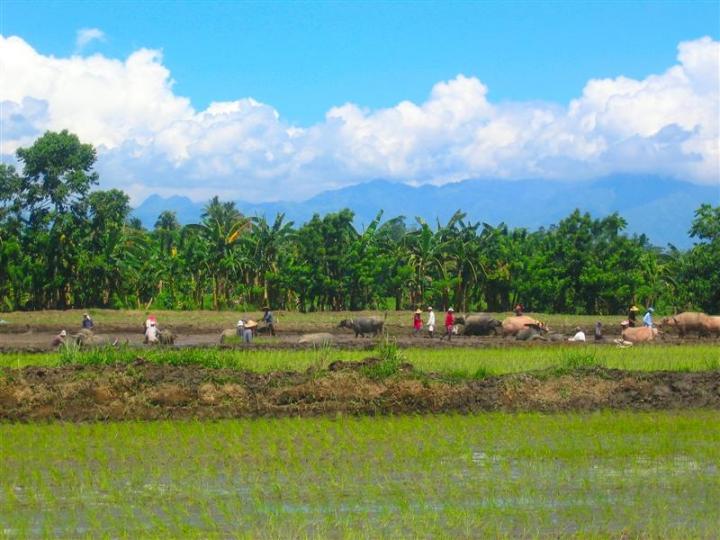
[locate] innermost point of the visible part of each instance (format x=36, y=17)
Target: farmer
x=87, y=322
x=59, y=339
x=598, y=331
x=240, y=328
x=449, y=323
x=151, y=319
x=417, y=322
x=431, y=322
x=579, y=335
x=647, y=318
x=268, y=320
x=250, y=326
x=632, y=316
x=151, y=334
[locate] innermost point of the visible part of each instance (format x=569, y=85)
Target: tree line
x=63, y=245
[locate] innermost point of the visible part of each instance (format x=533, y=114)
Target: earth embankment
x=143, y=390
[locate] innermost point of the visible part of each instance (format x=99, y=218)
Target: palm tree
x=267, y=242
x=222, y=228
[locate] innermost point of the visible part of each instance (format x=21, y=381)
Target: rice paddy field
x=595, y=473
x=501, y=475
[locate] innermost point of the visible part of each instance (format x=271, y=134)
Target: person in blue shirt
x=87, y=322
x=647, y=319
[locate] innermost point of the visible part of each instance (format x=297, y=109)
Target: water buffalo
x=322, y=338
x=639, y=334
x=531, y=332
x=687, y=321
x=512, y=325
x=712, y=325
x=88, y=339
x=166, y=337
x=480, y=324
x=363, y=325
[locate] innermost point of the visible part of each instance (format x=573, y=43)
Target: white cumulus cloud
x=87, y=35
x=151, y=140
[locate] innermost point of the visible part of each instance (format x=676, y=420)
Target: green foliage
x=390, y=356
x=63, y=246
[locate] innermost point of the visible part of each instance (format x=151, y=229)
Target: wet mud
x=144, y=390
x=38, y=340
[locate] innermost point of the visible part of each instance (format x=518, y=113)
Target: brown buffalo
x=712, y=325
x=639, y=334
x=687, y=321
x=512, y=325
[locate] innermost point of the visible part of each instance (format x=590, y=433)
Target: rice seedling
x=463, y=362
x=508, y=475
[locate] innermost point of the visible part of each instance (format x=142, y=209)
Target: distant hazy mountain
x=659, y=207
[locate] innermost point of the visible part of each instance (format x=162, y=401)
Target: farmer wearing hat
x=417, y=322
x=632, y=315
x=59, y=339
x=151, y=334
x=431, y=322
x=87, y=322
x=449, y=323
x=248, y=330
x=647, y=318
x=269, y=320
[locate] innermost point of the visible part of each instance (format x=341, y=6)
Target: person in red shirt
x=449, y=323
x=417, y=322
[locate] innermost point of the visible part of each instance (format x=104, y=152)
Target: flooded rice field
x=512, y=475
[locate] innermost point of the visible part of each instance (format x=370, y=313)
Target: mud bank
x=146, y=391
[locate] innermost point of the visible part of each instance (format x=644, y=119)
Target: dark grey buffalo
x=363, y=325
x=480, y=324
x=531, y=332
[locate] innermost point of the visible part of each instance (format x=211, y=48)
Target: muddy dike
x=143, y=390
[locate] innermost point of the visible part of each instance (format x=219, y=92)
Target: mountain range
x=662, y=208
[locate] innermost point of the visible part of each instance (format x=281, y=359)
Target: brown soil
x=146, y=391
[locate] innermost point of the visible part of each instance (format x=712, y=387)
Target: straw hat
x=451, y=309
x=417, y=311
x=634, y=308
x=250, y=324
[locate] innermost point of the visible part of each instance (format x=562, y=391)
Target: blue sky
x=282, y=100
x=304, y=58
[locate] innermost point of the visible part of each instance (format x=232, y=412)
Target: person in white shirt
x=151, y=334
x=579, y=335
x=431, y=322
